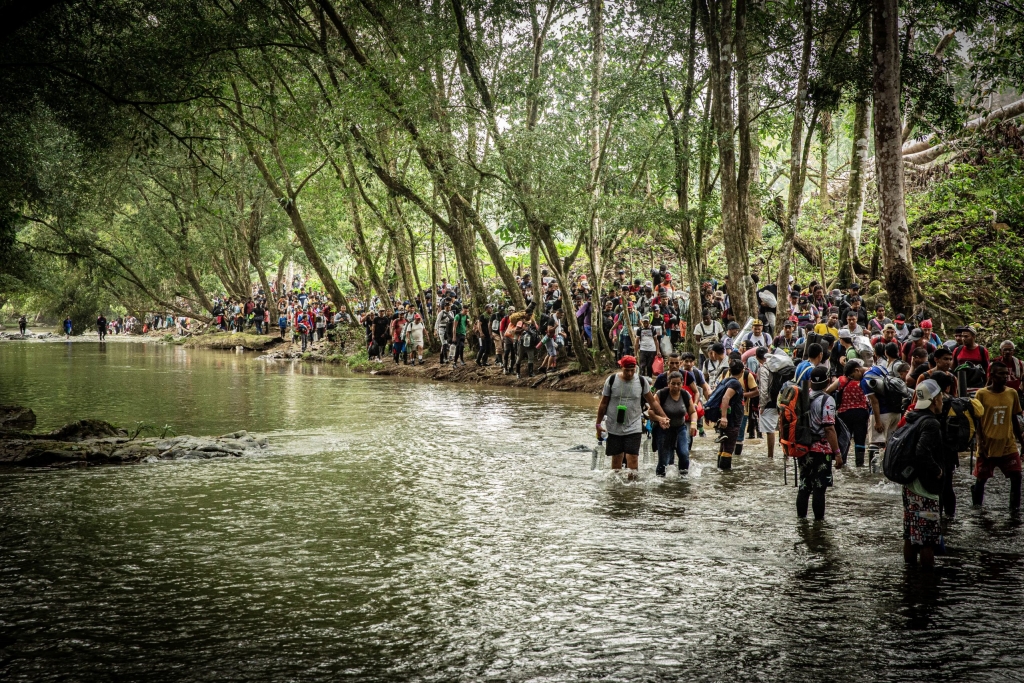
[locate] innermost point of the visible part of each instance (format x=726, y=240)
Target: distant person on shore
x=414, y=338
x=67, y=327
x=101, y=327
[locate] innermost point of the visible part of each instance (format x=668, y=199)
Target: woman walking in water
x=67, y=327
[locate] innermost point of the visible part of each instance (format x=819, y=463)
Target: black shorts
x=626, y=443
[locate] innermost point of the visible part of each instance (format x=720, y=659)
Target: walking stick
x=785, y=471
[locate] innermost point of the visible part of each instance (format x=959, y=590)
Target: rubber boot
x=802, y=497
x=1015, y=481
x=818, y=504
x=978, y=493
x=859, y=455
x=529, y=369
x=725, y=461
x=738, y=450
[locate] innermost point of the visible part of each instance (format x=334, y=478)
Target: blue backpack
x=713, y=406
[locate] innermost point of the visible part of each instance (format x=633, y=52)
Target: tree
x=900, y=281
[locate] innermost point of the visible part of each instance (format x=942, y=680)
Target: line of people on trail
x=908, y=408
x=513, y=338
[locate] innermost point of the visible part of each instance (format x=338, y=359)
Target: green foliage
x=974, y=270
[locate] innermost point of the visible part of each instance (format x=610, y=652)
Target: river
x=412, y=531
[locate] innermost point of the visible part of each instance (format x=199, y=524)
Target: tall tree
x=900, y=280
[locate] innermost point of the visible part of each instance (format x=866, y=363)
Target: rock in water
x=17, y=418
x=86, y=429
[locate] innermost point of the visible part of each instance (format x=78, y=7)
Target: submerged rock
x=93, y=442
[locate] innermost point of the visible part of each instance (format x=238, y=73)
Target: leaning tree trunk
x=900, y=281
x=796, y=170
x=853, y=220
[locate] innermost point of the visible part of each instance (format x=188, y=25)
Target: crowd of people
x=830, y=377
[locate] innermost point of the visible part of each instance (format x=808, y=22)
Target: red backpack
x=795, y=434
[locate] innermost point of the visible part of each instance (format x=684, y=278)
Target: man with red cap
x=929, y=333
x=626, y=391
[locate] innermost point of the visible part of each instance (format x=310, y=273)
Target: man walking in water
x=101, y=327
x=67, y=327
x=625, y=391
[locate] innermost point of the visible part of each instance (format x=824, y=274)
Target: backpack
x=778, y=380
x=899, y=465
x=713, y=406
x=970, y=376
x=962, y=415
x=843, y=437
x=795, y=432
x=526, y=339
x=893, y=393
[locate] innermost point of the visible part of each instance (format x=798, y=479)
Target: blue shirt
x=874, y=371
x=803, y=371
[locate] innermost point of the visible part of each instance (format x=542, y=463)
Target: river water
x=415, y=531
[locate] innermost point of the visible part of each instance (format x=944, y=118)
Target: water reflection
x=406, y=530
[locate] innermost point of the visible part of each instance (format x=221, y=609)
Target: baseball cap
x=917, y=334
x=758, y=323
x=926, y=324
x=417, y=317
x=889, y=326
x=845, y=333
x=733, y=326
x=788, y=323
x=627, y=362
x=971, y=330
x=819, y=374
x=900, y=317
x=926, y=392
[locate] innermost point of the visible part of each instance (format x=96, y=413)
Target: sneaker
x=720, y=437
x=700, y=433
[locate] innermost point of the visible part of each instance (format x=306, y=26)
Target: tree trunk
x=286, y=257
x=853, y=219
x=900, y=280
x=680, y=122
x=595, y=236
x=538, y=298
x=824, y=139
x=796, y=175
x=744, y=172
x=197, y=287
x=309, y=249
x=500, y=265
x=717, y=21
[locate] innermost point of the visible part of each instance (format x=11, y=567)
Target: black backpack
x=899, y=464
x=961, y=424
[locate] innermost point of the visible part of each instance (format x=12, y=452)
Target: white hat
x=926, y=392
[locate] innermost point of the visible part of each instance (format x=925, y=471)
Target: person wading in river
x=816, y=466
x=626, y=391
x=677, y=403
